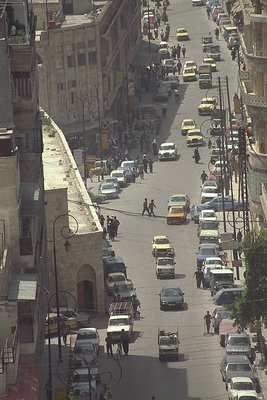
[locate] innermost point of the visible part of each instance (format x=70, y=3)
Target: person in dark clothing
x=108, y=341
x=183, y=50
x=136, y=303
x=64, y=332
x=102, y=220
x=178, y=49
x=145, y=207
x=116, y=226
x=154, y=147
x=196, y=155
x=145, y=162
x=125, y=342
x=179, y=66
x=199, y=277
x=150, y=165
x=203, y=176
x=151, y=207
x=207, y=318
x=111, y=229
x=164, y=110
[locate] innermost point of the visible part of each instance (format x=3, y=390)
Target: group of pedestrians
x=112, y=226
x=149, y=207
x=122, y=345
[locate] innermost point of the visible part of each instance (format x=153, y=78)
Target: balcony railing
x=253, y=55
x=249, y=98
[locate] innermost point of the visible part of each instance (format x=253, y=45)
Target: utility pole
x=222, y=154
x=149, y=39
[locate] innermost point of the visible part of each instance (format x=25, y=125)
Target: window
x=92, y=57
x=23, y=84
x=80, y=46
x=25, y=321
x=59, y=49
x=91, y=43
x=71, y=61
x=59, y=61
x=81, y=59
x=60, y=86
x=72, y=84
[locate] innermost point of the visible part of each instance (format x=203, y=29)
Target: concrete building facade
x=22, y=222
x=84, y=53
x=253, y=88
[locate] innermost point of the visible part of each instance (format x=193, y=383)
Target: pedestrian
x=156, y=32
x=64, y=332
x=136, y=303
x=208, y=12
x=145, y=162
x=125, y=342
x=178, y=48
x=209, y=144
x=102, y=220
x=158, y=18
x=108, y=218
x=174, y=52
x=198, y=274
x=207, y=318
x=164, y=110
x=183, y=50
x=239, y=236
x=154, y=147
x=145, y=207
x=111, y=229
x=203, y=177
x=108, y=341
x=233, y=54
x=162, y=35
x=196, y=155
x=151, y=207
x=179, y=66
x=150, y=165
x=116, y=223
x=141, y=171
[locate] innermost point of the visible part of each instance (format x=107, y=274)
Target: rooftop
x=61, y=171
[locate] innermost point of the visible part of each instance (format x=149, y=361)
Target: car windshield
x=107, y=186
x=125, y=288
x=162, y=241
x=167, y=147
x=238, y=341
x=169, y=62
x=206, y=101
x=172, y=292
x=239, y=367
x=86, y=335
x=197, y=133
x=116, y=278
x=208, y=214
x=188, y=123
x=178, y=198
x=176, y=210
x=188, y=70
x=181, y=31
x=243, y=386
x=209, y=190
x=83, y=349
x=208, y=251
x=118, y=174
x=212, y=225
x=165, y=261
x=214, y=262
x=167, y=340
x=119, y=322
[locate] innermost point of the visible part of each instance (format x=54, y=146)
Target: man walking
x=178, y=49
x=145, y=207
x=164, y=110
x=199, y=277
x=125, y=342
x=179, y=66
x=203, y=177
x=151, y=207
x=207, y=318
x=116, y=226
x=150, y=164
x=108, y=341
x=183, y=50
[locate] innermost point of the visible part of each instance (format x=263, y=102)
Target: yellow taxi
x=194, y=138
x=162, y=247
x=176, y=215
x=207, y=105
x=189, y=74
x=182, y=34
x=210, y=61
x=187, y=124
x=191, y=64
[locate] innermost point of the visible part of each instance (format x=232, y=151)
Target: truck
x=221, y=278
x=215, y=52
x=168, y=343
x=165, y=267
x=120, y=317
x=205, y=81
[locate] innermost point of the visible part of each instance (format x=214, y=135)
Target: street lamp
x=67, y=234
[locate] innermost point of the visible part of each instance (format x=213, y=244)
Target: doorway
x=85, y=296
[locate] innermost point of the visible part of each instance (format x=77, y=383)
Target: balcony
x=253, y=57
x=249, y=98
x=9, y=361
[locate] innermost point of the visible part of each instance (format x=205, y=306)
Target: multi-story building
x=253, y=87
x=84, y=54
x=22, y=221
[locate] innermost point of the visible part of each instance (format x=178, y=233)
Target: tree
x=252, y=306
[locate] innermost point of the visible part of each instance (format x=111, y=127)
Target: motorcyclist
x=216, y=32
x=196, y=155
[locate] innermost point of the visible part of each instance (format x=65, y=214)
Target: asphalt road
x=196, y=375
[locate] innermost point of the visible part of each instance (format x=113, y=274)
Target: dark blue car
x=206, y=250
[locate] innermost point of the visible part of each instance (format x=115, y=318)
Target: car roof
x=179, y=194
x=85, y=330
x=241, y=379
x=170, y=287
x=195, y=130
x=113, y=259
x=213, y=259
x=116, y=274
x=168, y=143
x=188, y=120
x=236, y=289
x=223, y=271
x=240, y=358
x=161, y=237
x=207, y=245
x=238, y=334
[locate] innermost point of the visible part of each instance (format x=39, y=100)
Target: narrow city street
x=196, y=375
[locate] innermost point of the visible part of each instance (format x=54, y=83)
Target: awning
x=143, y=56
x=23, y=287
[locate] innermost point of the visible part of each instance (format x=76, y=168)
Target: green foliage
x=253, y=304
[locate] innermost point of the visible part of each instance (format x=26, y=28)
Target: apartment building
x=22, y=221
x=253, y=88
x=84, y=51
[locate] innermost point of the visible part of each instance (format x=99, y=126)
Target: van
x=227, y=296
x=222, y=278
x=207, y=269
x=113, y=264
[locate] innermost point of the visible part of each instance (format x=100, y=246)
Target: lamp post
x=67, y=234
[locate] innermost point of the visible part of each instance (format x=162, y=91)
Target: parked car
x=208, y=193
x=167, y=151
x=219, y=313
x=88, y=335
x=206, y=224
x=239, y=384
x=113, y=264
x=113, y=278
x=171, y=298
x=195, y=212
x=81, y=319
x=120, y=175
x=109, y=190
x=129, y=173
x=169, y=64
x=227, y=296
x=233, y=366
x=124, y=290
x=238, y=343
x=204, y=251
x=207, y=214
x=216, y=204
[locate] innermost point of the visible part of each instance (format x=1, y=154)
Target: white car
x=198, y=3
x=208, y=193
x=213, y=262
x=240, y=384
x=167, y=151
x=120, y=175
x=207, y=215
x=110, y=179
x=109, y=190
x=88, y=335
